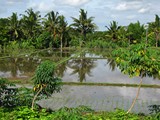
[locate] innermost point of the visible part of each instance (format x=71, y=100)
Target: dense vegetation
x=30, y=30
x=138, y=55
x=79, y=113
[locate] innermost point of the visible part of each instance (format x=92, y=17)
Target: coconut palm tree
x=83, y=24
x=14, y=26
x=31, y=23
x=135, y=32
x=62, y=28
x=51, y=23
x=156, y=29
x=4, y=37
x=113, y=30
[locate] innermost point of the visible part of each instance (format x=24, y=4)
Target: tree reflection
x=18, y=66
x=156, y=75
x=112, y=64
x=81, y=66
x=61, y=69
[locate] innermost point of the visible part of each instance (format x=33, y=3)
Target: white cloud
x=12, y=2
x=74, y=2
x=130, y=5
x=43, y=7
x=122, y=6
x=143, y=10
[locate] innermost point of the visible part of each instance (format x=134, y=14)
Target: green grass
x=90, y=84
x=111, y=84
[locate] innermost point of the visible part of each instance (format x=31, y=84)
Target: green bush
x=45, y=82
x=79, y=113
x=10, y=96
x=44, y=77
x=7, y=95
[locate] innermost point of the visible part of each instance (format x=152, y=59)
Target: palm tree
x=14, y=26
x=156, y=28
x=135, y=32
x=4, y=37
x=62, y=28
x=51, y=23
x=83, y=24
x=31, y=23
x=113, y=30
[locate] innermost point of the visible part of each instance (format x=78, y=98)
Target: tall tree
x=3, y=32
x=31, y=23
x=135, y=32
x=62, y=28
x=138, y=61
x=51, y=23
x=155, y=26
x=83, y=24
x=14, y=27
x=113, y=30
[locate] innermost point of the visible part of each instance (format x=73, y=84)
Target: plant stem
x=36, y=97
x=134, y=101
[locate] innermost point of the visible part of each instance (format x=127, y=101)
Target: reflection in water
x=61, y=69
x=81, y=66
x=103, y=98
x=88, y=67
x=111, y=63
x=24, y=67
x=18, y=67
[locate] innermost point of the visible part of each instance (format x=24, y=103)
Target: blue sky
x=104, y=11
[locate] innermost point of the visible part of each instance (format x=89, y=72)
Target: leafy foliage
x=155, y=28
x=83, y=24
x=79, y=113
x=135, y=32
x=45, y=83
x=44, y=77
x=44, y=40
x=6, y=94
x=113, y=30
x=11, y=96
x=137, y=60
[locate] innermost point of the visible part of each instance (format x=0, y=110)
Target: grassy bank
x=112, y=84
x=91, y=84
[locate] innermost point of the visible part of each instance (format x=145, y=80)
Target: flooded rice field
x=89, y=66
x=103, y=98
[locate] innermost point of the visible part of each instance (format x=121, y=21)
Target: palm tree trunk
x=156, y=40
x=134, y=101
x=61, y=42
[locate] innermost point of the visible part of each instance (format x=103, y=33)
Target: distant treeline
x=31, y=30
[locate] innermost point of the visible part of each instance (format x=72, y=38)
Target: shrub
x=45, y=82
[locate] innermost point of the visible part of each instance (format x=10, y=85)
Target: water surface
x=90, y=66
x=103, y=98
